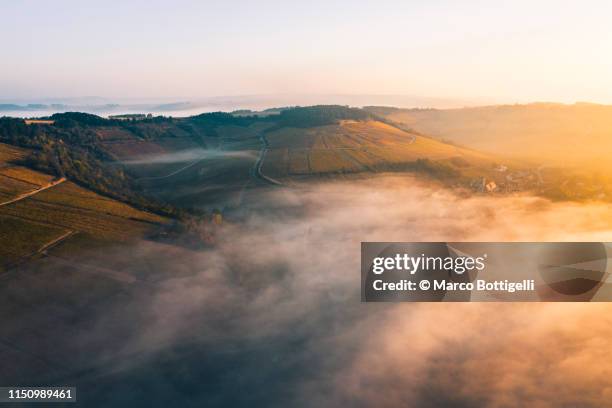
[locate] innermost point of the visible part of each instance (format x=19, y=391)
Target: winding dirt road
x=260, y=160
x=255, y=173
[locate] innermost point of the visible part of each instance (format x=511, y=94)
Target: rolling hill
x=41, y=214
x=363, y=146
x=214, y=164
x=578, y=135
x=214, y=160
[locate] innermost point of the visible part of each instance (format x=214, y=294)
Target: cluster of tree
x=16, y=132
x=75, y=152
x=146, y=128
x=319, y=115
x=72, y=119
x=72, y=146
x=155, y=128
x=208, y=122
x=196, y=230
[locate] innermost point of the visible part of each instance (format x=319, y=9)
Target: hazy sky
x=507, y=51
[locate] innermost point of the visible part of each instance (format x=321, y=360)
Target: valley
x=145, y=243
x=76, y=179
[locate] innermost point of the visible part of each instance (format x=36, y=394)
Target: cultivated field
x=14, y=179
x=25, y=175
x=59, y=214
x=9, y=153
x=82, y=211
x=20, y=237
x=215, y=173
x=209, y=174
x=555, y=134
x=351, y=147
x=209, y=182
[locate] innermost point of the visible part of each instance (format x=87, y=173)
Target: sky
x=506, y=52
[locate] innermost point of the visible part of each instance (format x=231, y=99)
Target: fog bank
x=274, y=311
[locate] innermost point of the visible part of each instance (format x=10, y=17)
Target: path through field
x=260, y=161
x=31, y=193
x=255, y=174
x=55, y=242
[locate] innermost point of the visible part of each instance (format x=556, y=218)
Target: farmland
x=208, y=174
x=211, y=161
x=216, y=174
x=9, y=153
x=556, y=134
x=14, y=179
x=20, y=237
x=354, y=147
x=210, y=181
x=62, y=212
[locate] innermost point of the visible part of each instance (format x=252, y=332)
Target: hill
x=213, y=160
x=41, y=214
x=568, y=135
x=364, y=146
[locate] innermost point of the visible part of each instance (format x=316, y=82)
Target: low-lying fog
x=187, y=155
x=272, y=315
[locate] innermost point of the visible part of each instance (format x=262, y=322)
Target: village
x=505, y=180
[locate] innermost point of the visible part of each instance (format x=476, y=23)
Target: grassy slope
x=28, y=225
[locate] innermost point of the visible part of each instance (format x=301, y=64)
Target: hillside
x=555, y=134
x=41, y=214
x=173, y=166
x=363, y=146
x=217, y=161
